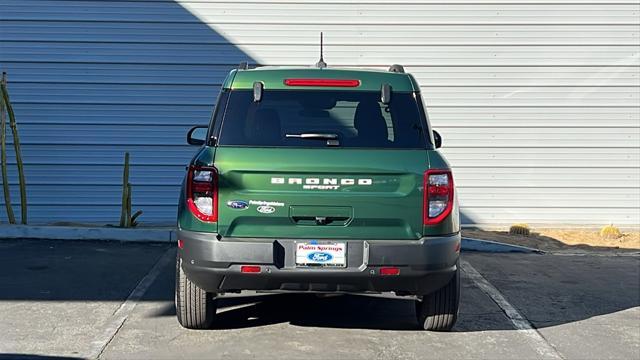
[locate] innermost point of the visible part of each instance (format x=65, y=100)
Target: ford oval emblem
x=238, y=204
x=266, y=209
x=320, y=256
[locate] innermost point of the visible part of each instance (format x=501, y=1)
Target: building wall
x=538, y=103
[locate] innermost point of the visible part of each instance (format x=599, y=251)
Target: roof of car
x=274, y=77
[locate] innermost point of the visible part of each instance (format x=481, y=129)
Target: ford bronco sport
x=318, y=180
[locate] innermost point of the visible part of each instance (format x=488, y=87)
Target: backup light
x=323, y=82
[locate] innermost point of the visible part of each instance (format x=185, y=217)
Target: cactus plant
x=125, y=190
x=16, y=145
x=519, y=229
x=3, y=143
x=126, y=219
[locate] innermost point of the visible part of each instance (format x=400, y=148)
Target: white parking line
x=115, y=322
x=522, y=325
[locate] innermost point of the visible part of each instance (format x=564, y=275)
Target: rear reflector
x=250, y=269
x=322, y=82
x=180, y=244
x=389, y=271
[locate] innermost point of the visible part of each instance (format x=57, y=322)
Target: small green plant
x=5, y=105
x=126, y=219
x=519, y=229
x=610, y=232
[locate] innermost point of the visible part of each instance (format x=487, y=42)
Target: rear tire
x=195, y=308
x=438, y=311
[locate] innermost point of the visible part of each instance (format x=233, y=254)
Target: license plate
x=318, y=254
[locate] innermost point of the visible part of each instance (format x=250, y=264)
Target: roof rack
x=243, y=65
x=396, y=68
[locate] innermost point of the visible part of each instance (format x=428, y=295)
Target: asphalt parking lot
x=115, y=300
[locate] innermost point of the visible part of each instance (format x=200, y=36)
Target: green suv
x=323, y=181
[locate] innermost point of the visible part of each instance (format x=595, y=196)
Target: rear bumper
x=213, y=263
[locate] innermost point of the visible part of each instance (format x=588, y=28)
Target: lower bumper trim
x=424, y=265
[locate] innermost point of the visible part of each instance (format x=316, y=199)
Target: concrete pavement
x=63, y=298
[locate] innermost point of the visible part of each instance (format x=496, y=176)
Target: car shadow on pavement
x=310, y=310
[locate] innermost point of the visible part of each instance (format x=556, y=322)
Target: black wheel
x=195, y=308
x=438, y=311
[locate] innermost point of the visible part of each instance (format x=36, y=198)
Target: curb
x=87, y=233
x=470, y=244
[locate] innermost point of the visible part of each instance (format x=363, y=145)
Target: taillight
x=438, y=195
x=202, y=193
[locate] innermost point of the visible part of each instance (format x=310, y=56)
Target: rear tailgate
x=320, y=193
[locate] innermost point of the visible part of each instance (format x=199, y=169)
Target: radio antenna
x=321, y=64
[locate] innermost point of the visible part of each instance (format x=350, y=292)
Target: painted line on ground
x=521, y=324
x=117, y=319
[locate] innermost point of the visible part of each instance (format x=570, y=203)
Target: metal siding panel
x=156, y=115
x=540, y=137
x=93, y=214
x=194, y=95
x=295, y=34
x=368, y=55
x=213, y=75
x=541, y=157
x=549, y=118
x=99, y=175
x=541, y=123
x=305, y=13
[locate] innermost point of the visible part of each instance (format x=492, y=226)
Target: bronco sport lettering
x=320, y=184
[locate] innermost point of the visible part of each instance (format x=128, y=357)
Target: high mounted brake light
x=438, y=196
x=202, y=193
x=322, y=82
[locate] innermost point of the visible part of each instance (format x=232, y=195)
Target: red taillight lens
x=202, y=193
x=250, y=269
x=389, y=271
x=323, y=82
x=438, y=195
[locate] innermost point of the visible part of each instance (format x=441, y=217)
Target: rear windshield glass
x=322, y=118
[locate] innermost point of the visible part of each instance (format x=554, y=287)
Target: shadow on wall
x=91, y=81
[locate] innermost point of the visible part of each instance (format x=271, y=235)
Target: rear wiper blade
x=313, y=136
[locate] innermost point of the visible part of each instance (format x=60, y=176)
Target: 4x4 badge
x=238, y=204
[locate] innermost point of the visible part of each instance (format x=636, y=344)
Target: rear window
x=286, y=118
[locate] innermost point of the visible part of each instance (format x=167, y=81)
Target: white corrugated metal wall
x=538, y=102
